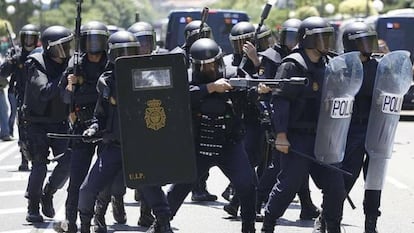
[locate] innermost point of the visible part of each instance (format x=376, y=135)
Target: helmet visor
x=123, y=49
x=289, y=37
x=237, y=42
x=324, y=42
x=61, y=50
x=29, y=41
x=366, y=42
x=146, y=44
x=93, y=42
x=210, y=71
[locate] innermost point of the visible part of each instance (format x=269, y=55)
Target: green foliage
x=306, y=11
x=3, y=29
x=357, y=7
x=117, y=12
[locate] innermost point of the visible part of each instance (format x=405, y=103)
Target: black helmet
x=289, y=33
x=315, y=33
x=358, y=36
x=264, y=39
x=192, y=32
x=207, y=60
x=122, y=43
x=29, y=36
x=56, y=41
x=93, y=37
x=145, y=34
x=239, y=34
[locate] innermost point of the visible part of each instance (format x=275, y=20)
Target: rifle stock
x=14, y=49
x=204, y=15
x=263, y=17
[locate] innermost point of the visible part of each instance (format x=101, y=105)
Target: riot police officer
x=296, y=111
x=218, y=129
x=79, y=90
x=14, y=67
x=244, y=62
x=109, y=162
x=192, y=32
x=145, y=34
x=360, y=37
x=271, y=60
x=44, y=112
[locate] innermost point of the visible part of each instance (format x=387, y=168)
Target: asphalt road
x=397, y=200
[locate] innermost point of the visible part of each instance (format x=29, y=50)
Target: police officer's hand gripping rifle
x=265, y=14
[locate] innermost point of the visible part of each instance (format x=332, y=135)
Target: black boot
x=118, y=209
x=85, y=223
x=145, y=218
x=333, y=227
x=24, y=165
x=200, y=193
x=320, y=225
x=233, y=207
x=33, y=214
x=308, y=210
x=228, y=193
x=47, y=201
x=371, y=224
x=99, y=217
x=160, y=225
x=268, y=225
x=248, y=227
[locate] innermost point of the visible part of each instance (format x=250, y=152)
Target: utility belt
x=84, y=114
x=212, y=134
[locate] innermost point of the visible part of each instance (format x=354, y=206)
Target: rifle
x=204, y=15
x=246, y=83
x=265, y=14
x=76, y=55
x=14, y=48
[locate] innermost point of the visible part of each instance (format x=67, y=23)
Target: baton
x=73, y=136
x=320, y=162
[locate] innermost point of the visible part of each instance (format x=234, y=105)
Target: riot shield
x=392, y=81
x=343, y=79
x=155, y=120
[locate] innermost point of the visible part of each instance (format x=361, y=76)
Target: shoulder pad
x=272, y=55
x=297, y=59
x=37, y=58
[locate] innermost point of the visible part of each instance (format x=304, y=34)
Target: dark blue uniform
x=15, y=69
x=219, y=134
x=83, y=100
x=44, y=112
x=271, y=60
x=356, y=156
x=109, y=162
x=296, y=114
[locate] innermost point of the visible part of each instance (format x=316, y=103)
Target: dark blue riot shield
x=343, y=79
x=392, y=81
x=155, y=120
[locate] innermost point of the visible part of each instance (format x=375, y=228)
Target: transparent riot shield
x=343, y=79
x=392, y=81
